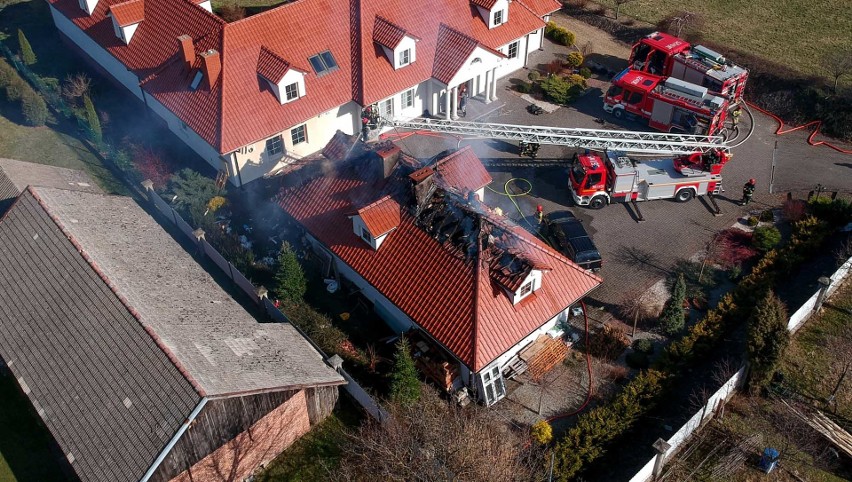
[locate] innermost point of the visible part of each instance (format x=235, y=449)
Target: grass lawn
x=819, y=352
x=797, y=33
x=25, y=453
x=316, y=455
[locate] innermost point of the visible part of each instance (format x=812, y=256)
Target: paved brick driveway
x=639, y=254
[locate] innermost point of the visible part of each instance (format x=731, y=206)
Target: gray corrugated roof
x=80, y=353
x=15, y=176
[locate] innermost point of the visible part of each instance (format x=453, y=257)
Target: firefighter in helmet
x=735, y=116
x=748, y=191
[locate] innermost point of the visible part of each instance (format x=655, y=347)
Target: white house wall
x=97, y=53
x=406, y=43
x=536, y=39
x=470, y=69
x=507, y=66
x=253, y=161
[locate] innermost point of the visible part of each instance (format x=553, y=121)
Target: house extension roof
x=448, y=263
x=115, y=333
x=15, y=176
x=239, y=109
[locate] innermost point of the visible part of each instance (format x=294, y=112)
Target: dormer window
x=397, y=44
x=374, y=222
x=126, y=17
x=528, y=286
x=286, y=81
x=498, y=18
x=365, y=235
x=291, y=92
x=405, y=57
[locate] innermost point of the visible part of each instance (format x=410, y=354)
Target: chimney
x=211, y=66
x=387, y=156
x=424, y=185
x=187, y=50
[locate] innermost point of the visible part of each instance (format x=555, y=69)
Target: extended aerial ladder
x=597, y=139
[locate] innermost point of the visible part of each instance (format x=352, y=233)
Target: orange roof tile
x=463, y=170
x=271, y=66
x=387, y=34
x=541, y=7
x=486, y=4
x=381, y=216
x=128, y=13
x=457, y=299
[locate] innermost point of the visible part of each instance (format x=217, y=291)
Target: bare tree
x=618, y=4
x=76, y=86
x=838, y=63
x=678, y=22
x=433, y=440
x=634, y=307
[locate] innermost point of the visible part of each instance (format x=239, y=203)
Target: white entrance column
x=454, y=102
x=494, y=83
x=487, y=86
x=447, y=104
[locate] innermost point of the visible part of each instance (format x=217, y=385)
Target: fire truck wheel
x=684, y=195
x=597, y=202
x=618, y=113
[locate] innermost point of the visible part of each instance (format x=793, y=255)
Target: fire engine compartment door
x=644, y=190
x=662, y=113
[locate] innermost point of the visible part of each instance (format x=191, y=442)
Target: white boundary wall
x=724, y=393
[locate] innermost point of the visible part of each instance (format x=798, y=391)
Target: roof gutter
x=168, y=448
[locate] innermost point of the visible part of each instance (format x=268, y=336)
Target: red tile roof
x=271, y=66
x=381, y=216
x=541, y=7
x=239, y=109
x=455, y=297
x=128, y=13
x=451, y=53
x=387, y=34
x=486, y=4
x=463, y=170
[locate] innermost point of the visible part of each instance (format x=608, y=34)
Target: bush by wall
x=574, y=60
x=34, y=108
x=559, y=34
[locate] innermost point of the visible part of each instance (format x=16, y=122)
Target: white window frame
x=404, y=57
x=406, y=99
x=386, y=108
x=295, y=91
x=274, y=145
x=299, y=132
x=526, y=289
x=500, y=20
x=517, y=46
x=493, y=385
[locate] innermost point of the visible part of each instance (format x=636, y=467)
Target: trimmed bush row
x=32, y=105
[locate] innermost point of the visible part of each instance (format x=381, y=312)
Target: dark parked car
x=567, y=234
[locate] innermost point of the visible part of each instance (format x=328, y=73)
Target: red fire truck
x=666, y=55
x=596, y=180
x=669, y=104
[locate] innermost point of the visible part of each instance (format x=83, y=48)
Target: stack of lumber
x=542, y=355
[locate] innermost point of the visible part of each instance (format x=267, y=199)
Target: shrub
x=765, y=238
x=92, y=119
x=192, y=191
x=7, y=73
x=27, y=54
x=217, y=203
x=637, y=360
x=554, y=67
x=767, y=338
x=151, y=165
x=794, y=209
x=608, y=343
x=558, y=34
x=733, y=247
x=585, y=73
x=734, y=272
x=752, y=221
x=318, y=327
x=232, y=12
x=16, y=88
x=541, y=432
x=563, y=90
x=534, y=76
x=643, y=345
x=837, y=212
x=34, y=108
x=523, y=87
x=574, y=60
x=405, y=383
x=766, y=216
x=290, y=282
x=672, y=317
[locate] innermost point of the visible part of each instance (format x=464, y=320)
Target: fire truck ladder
x=598, y=139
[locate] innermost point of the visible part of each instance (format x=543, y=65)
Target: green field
x=796, y=33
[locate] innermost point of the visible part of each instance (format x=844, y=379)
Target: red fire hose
x=780, y=131
x=588, y=367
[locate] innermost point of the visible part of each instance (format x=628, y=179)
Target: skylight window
x=323, y=63
x=196, y=81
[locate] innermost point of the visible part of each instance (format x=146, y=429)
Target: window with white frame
x=407, y=98
x=386, y=109
x=405, y=57
x=525, y=289
x=498, y=17
x=291, y=91
x=299, y=134
x=492, y=385
x=274, y=146
x=513, y=50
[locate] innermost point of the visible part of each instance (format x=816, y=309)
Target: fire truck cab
x=596, y=180
x=666, y=55
x=669, y=104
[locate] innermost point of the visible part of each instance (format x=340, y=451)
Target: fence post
x=824, y=283
x=199, y=240
x=661, y=446
x=262, y=293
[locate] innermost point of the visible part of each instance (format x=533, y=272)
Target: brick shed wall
x=258, y=445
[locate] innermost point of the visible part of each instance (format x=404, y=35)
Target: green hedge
x=558, y=34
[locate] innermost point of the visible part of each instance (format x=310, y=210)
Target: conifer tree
x=92, y=119
x=290, y=283
x=27, y=54
x=405, y=384
x=767, y=338
x=671, y=319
